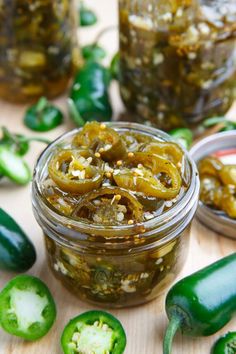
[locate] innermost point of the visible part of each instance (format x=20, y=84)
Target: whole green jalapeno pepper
x=17, y=253
x=225, y=344
x=202, y=303
x=90, y=92
x=43, y=116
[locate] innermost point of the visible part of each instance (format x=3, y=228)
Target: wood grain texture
x=144, y=325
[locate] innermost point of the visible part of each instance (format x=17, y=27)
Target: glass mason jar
x=116, y=266
x=178, y=59
x=38, y=48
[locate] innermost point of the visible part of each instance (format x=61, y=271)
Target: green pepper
x=202, y=303
x=183, y=136
x=17, y=253
x=95, y=332
x=27, y=308
x=87, y=16
x=13, y=166
x=43, y=116
x=115, y=66
x=19, y=143
x=90, y=92
x=93, y=52
x=225, y=344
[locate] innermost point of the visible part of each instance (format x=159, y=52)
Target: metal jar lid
x=213, y=219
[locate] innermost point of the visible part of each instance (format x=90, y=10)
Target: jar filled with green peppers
x=38, y=48
x=115, y=202
x=177, y=59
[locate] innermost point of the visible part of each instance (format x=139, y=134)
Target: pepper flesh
x=95, y=332
x=27, y=308
x=202, y=303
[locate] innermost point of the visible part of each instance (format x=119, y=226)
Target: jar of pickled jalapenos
x=177, y=60
x=115, y=202
x=38, y=48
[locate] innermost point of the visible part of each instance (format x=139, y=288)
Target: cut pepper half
x=27, y=308
x=150, y=174
x=110, y=206
x=101, y=139
x=75, y=171
x=96, y=332
x=225, y=344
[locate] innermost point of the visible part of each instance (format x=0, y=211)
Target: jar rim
x=185, y=204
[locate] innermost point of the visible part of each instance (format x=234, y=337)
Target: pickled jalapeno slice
x=95, y=332
x=218, y=185
x=168, y=150
x=229, y=200
x=228, y=174
x=111, y=178
x=102, y=140
x=74, y=171
x=210, y=166
x=150, y=174
x=109, y=206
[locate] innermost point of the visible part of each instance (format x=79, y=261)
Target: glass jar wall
x=38, y=48
x=177, y=59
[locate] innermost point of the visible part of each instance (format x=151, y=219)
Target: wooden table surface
x=144, y=325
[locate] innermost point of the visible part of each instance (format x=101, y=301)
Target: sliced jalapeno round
x=75, y=171
x=102, y=140
x=110, y=206
x=94, y=332
x=150, y=174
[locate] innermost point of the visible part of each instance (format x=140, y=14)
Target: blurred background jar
x=178, y=59
x=38, y=48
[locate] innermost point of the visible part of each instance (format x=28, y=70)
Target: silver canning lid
x=213, y=219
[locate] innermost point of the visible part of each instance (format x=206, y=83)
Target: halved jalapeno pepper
x=110, y=206
x=167, y=150
x=75, y=171
x=96, y=332
x=102, y=140
x=150, y=174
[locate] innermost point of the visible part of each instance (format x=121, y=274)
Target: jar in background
x=38, y=48
x=178, y=59
x=116, y=266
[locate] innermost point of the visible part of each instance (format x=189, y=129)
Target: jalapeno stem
x=172, y=328
x=75, y=115
x=102, y=32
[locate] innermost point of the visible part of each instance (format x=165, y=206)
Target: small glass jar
x=177, y=60
x=116, y=266
x=38, y=48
